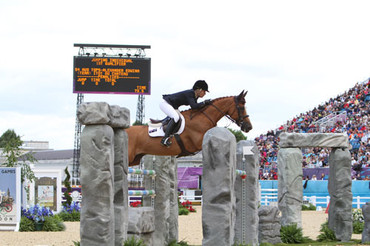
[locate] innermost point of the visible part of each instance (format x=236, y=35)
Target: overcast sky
x=290, y=55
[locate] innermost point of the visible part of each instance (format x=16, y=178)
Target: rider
x=172, y=102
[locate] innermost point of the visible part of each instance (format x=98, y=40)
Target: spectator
x=347, y=113
x=358, y=176
x=322, y=176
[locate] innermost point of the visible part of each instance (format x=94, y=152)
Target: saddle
x=157, y=128
x=164, y=122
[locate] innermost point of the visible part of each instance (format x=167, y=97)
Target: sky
x=291, y=56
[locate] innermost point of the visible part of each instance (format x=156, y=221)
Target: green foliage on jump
x=53, y=223
x=358, y=221
x=181, y=243
x=183, y=211
x=308, y=207
x=132, y=241
x=292, y=234
x=327, y=234
x=358, y=227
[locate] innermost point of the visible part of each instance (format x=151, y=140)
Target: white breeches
x=169, y=110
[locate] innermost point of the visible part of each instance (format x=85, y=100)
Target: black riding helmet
x=201, y=84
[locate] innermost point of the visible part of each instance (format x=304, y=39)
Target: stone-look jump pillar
x=103, y=174
x=246, y=224
x=339, y=186
x=366, y=231
x=339, y=179
x=290, y=190
x=165, y=203
x=218, y=205
x=120, y=185
x=269, y=225
x=141, y=224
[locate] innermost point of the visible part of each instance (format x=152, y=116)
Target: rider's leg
x=171, y=112
x=166, y=139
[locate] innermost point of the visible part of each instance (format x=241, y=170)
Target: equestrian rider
x=172, y=102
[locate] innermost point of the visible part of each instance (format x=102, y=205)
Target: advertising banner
x=10, y=198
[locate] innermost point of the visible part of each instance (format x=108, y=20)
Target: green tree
x=10, y=143
x=67, y=184
x=9, y=138
x=238, y=134
x=137, y=123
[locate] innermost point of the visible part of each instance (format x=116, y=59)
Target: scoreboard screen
x=111, y=75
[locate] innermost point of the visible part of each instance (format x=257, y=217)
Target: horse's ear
x=245, y=93
x=241, y=95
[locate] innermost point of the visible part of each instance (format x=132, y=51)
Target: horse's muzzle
x=246, y=127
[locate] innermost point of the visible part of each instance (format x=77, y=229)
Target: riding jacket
x=183, y=98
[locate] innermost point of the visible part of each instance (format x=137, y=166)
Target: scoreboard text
x=111, y=75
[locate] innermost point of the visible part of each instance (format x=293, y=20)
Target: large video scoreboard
x=111, y=75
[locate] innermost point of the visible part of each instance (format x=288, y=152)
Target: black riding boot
x=166, y=139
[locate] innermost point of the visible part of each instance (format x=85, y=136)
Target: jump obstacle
x=104, y=169
x=150, y=192
x=104, y=216
x=104, y=182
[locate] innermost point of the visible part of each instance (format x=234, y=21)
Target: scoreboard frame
x=111, y=75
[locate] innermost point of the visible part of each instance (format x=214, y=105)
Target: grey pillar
x=269, y=225
x=97, y=211
x=366, y=231
x=339, y=186
x=103, y=163
x=218, y=206
x=173, y=220
x=141, y=224
x=120, y=186
x=290, y=189
x=247, y=193
x=165, y=204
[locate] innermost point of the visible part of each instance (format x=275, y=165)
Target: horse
x=198, y=122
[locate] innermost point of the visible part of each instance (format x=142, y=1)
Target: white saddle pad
x=156, y=130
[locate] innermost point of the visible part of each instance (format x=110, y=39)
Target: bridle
x=240, y=110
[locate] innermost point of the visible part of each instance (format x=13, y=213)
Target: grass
x=353, y=242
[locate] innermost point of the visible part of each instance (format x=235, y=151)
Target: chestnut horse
x=198, y=122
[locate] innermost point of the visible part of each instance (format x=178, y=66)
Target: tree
x=238, y=134
x=68, y=190
x=9, y=138
x=10, y=143
x=137, y=123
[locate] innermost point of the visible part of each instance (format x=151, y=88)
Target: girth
x=184, y=152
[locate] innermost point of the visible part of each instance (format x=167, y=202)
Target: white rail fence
x=270, y=197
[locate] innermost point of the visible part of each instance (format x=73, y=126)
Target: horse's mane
x=214, y=100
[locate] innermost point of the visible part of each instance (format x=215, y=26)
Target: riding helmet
x=201, y=84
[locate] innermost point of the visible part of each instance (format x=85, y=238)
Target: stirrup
x=166, y=142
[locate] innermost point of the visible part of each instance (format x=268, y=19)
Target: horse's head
x=240, y=114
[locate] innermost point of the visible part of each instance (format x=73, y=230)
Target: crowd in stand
x=347, y=113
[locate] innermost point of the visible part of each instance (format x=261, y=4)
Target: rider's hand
x=207, y=102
